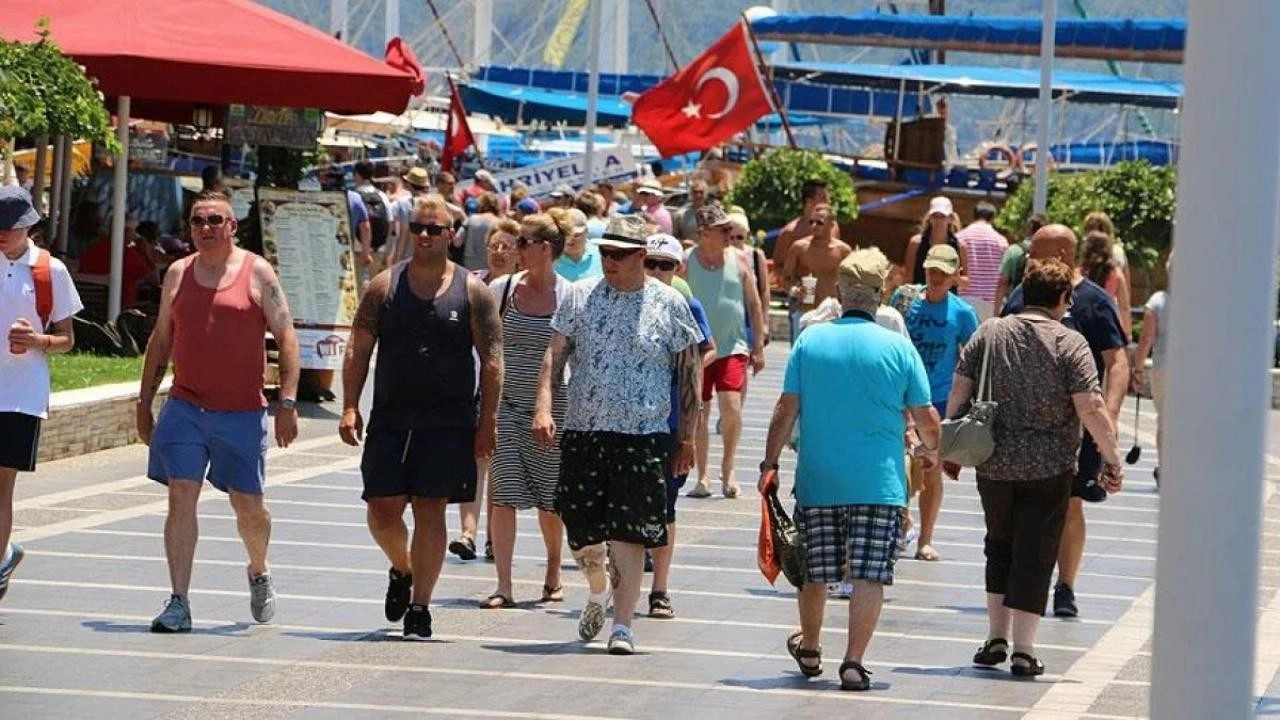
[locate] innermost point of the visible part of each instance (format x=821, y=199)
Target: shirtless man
x=813, y=193
x=819, y=255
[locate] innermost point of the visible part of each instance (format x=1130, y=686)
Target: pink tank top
x=218, y=352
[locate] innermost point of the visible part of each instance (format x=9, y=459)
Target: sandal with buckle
x=497, y=601
x=798, y=654
x=862, y=683
x=552, y=594
x=660, y=606
x=1028, y=667
x=992, y=653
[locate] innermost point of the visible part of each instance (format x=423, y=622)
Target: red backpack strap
x=42, y=277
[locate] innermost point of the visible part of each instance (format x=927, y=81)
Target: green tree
x=43, y=92
x=769, y=187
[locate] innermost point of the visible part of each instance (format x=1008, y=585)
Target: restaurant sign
x=278, y=126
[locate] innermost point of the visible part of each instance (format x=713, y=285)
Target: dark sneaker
x=6, y=570
x=1064, y=601
x=417, y=623
x=176, y=617
x=398, y=589
x=464, y=547
x=262, y=598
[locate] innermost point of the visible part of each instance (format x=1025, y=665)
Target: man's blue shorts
x=229, y=448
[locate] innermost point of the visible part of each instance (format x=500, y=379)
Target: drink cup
x=810, y=285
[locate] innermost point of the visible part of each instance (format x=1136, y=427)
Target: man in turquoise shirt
x=849, y=382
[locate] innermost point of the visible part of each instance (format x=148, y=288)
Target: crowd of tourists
x=563, y=357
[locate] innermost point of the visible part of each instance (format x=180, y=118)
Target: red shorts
x=728, y=374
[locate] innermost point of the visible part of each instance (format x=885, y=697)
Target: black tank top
x=425, y=377
x=918, y=276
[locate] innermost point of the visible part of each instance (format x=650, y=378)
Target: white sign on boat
x=615, y=164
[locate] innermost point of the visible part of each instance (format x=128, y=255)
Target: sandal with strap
x=660, y=606
x=497, y=601
x=552, y=594
x=1028, y=667
x=992, y=653
x=698, y=492
x=862, y=683
x=798, y=654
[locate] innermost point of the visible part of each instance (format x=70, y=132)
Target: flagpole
x=455, y=96
x=593, y=89
x=768, y=76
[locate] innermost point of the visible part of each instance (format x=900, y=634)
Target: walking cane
x=1135, y=452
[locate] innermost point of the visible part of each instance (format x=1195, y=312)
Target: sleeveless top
x=721, y=293
x=918, y=274
x=219, y=351
x=524, y=343
x=425, y=374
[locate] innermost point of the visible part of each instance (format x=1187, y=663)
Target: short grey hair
x=858, y=297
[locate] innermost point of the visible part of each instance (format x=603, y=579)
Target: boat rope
x=444, y=30
x=671, y=56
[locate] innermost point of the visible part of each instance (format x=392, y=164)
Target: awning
x=1004, y=82
x=1138, y=39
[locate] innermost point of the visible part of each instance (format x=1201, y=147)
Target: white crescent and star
x=694, y=110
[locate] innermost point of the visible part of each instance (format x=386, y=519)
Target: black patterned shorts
x=850, y=542
x=613, y=487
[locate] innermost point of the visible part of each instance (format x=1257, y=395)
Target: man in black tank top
x=425, y=315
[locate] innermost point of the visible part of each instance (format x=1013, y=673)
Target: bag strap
x=982, y=380
x=42, y=278
x=508, y=292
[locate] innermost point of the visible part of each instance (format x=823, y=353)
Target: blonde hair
x=953, y=224
x=506, y=225
x=430, y=203
x=553, y=227
x=1100, y=222
x=487, y=202
x=739, y=220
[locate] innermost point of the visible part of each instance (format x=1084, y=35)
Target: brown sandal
x=862, y=683
x=798, y=653
x=497, y=601
x=552, y=594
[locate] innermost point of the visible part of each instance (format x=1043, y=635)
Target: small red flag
x=457, y=134
x=707, y=101
x=400, y=56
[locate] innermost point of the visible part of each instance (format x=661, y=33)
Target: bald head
x=1054, y=241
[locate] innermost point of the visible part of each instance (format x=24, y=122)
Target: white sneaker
x=622, y=641
x=592, y=620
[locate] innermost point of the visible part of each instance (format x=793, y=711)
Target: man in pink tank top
x=215, y=308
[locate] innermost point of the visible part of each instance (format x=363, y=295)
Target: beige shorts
x=1156, y=380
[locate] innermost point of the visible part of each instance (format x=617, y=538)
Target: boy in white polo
x=37, y=300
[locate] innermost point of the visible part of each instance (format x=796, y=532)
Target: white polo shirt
x=24, y=379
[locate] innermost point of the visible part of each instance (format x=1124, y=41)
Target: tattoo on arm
x=689, y=375
x=486, y=329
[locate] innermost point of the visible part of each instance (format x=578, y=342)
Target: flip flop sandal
x=798, y=653
x=1029, y=667
x=660, y=606
x=992, y=653
x=698, y=492
x=930, y=556
x=862, y=683
x=464, y=547
x=497, y=601
x=552, y=594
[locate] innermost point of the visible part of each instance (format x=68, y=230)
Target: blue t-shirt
x=588, y=267
x=854, y=379
x=1093, y=314
x=699, y=317
x=359, y=212
x=940, y=330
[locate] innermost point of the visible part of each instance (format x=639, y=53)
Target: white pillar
x=390, y=21
x=338, y=24
x=55, y=192
x=68, y=167
x=1216, y=414
x=593, y=88
x=615, y=27
x=38, y=174
x=482, y=39
x=119, y=197
x=1044, y=129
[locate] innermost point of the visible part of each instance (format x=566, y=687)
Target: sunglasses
x=523, y=241
x=431, y=229
x=618, y=254
x=198, y=221
x=659, y=264
x=736, y=236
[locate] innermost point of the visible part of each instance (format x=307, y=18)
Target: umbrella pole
x=64, y=224
x=119, y=197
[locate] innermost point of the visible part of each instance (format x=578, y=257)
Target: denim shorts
x=228, y=448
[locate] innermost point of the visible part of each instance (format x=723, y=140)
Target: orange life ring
x=1009, y=160
x=1030, y=166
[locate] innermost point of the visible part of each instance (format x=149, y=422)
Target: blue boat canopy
x=986, y=81
x=1138, y=39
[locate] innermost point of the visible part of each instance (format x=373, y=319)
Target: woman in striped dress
x=523, y=475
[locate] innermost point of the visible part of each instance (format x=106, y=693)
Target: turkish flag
x=708, y=101
x=457, y=134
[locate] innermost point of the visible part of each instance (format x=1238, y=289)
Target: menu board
x=278, y=126
x=307, y=237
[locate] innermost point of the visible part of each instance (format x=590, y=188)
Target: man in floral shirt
x=625, y=334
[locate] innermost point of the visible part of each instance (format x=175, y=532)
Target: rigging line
x=666, y=44
x=444, y=30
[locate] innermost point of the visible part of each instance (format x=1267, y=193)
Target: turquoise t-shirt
x=854, y=379
x=588, y=267
x=939, y=331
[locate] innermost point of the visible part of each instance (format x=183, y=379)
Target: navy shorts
x=437, y=463
x=228, y=448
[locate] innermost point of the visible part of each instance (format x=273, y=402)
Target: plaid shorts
x=850, y=542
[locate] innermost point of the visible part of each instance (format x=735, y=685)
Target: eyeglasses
x=500, y=248
x=736, y=236
x=618, y=254
x=523, y=241
x=198, y=221
x=431, y=229
x=660, y=264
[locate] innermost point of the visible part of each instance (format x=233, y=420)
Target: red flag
x=400, y=56
x=708, y=101
x=457, y=134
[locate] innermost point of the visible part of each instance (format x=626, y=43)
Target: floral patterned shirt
x=622, y=354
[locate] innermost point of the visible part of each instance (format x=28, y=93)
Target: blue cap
x=16, y=210
x=471, y=206
x=528, y=205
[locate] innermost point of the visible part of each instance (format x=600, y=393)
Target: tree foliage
x=769, y=187
x=1139, y=197
x=43, y=92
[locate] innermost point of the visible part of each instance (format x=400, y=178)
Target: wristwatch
x=766, y=466
x=288, y=403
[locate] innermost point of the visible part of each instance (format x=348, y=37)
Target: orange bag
x=766, y=554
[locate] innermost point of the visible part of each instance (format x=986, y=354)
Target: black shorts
x=1086, y=484
x=613, y=487
x=674, y=482
x=426, y=463
x=19, y=441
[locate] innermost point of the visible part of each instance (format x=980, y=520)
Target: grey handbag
x=967, y=441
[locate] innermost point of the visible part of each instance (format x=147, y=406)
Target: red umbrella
x=169, y=55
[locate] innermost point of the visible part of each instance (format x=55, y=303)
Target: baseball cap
x=941, y=205
x=944, y=258
x=528, y=205
x=562, y=191
x=867, y=267
x=663, y=245
x=711, y=214
x=579, y=221
x=16, y=210
x=484, y=176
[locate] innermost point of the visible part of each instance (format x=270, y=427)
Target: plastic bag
x=785, y=544
x=766, y=556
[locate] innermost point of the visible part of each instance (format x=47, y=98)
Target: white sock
x=599, y=598
x=617, y=627
x=8, y=555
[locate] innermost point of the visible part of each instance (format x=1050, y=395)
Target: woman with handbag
x=1044, y=384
